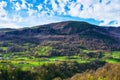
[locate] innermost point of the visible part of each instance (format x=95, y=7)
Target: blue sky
x=27, y=13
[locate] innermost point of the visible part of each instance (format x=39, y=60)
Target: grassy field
x=4, y=48
x=112, y=60
x=27, y=61
x=113, y=57
x=116, y=54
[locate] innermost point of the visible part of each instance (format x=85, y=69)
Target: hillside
x=77, y=34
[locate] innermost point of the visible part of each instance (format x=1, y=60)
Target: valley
x=71, y=46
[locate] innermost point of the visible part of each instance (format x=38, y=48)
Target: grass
x=86, y=50
x=66, y=58
x=19, y=59
x=116, y=54
x=4, y=48
x=112, y=60
x=43, y=50
x=26, y=62
x=13, y=55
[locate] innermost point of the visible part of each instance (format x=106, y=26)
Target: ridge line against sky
x=27, y=13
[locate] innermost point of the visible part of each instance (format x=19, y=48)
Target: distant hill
x=6, y=29
x=65, y=36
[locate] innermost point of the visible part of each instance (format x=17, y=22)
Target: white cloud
x=106, y=11
x=10, y=25
x=74, y=9
x=17, y=19
x=39, y=7
x=31, y=12
x=59, y=7
x=12, y=0
x=45, y=1
x=29, y=5
x=99, y=11
x=23, y=4
x=3, y=12
x=54, y=5
x=3, y=4
x=17, y=6
x=5, y=20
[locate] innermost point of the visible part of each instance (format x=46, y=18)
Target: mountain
x=65, y=37
x=6, y=29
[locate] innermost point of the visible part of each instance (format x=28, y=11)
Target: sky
x=28, y=13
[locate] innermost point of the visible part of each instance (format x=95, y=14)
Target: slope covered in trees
x=108, y=72
x=79, y=34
